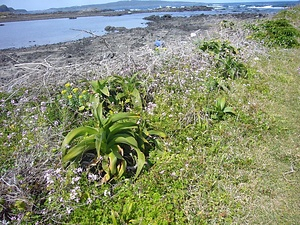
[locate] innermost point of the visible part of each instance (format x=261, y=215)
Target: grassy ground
x=278, y=156
x=214, y=168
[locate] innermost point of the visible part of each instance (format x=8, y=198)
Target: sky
x=46, y=4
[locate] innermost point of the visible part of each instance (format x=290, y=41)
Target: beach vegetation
x=276, y=33
x=225, y=59
x=209, y=137
x=220, y=109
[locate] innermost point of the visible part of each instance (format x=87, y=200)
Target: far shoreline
x=11, y=17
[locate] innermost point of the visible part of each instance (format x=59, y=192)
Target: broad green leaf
x=98, y=143
x=79, y=149
x=121, y=116
x=113, y=217
x=95, y=85
x=75, y=133
x=222, y=103
x=121, y=168
x=105, y=164
x=121, y=127
x=157, y=133
x=100, y=86
x=140, y=162
x=124, y=139
x=229, y=110
x=105, y=91
x=115, y=150
x=112, y=163
x=95, y=100
x=120, y=95
x=99, y=112
x=137, y=101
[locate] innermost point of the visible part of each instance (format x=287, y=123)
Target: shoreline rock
x=13, y=17
x=132, y=50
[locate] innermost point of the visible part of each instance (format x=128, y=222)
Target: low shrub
x=276, y=33
x=225, y=59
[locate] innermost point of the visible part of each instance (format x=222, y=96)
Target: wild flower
x=63, y=92
x=89, y=201
x=75, y=180
x=75, y=90
x=106, y=193
x=67, y=85
x=49, y=180
x=189, y=138
x=69, y=210
x=81, y=108
x=78, y=170
x=150, y=108
x=92, y=177
x=43, y=109
x=74, y=193
x=70, y=96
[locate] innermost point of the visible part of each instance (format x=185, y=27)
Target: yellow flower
x=67, y=85
x=83, y=92
x=63, y=92
x=81, y=108
x=80, y=97
x=75, y=90
x=70, y=96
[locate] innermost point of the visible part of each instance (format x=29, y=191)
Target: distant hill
x=4, y=8
x=121, y=5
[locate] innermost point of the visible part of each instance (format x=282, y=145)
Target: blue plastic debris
x=158, y=43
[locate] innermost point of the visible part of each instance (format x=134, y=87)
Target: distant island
x=5, y=9
x=110, y=9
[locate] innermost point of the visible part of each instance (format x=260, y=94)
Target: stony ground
x=119, y=52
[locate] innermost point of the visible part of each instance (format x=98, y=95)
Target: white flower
x=107, y=193
x=69, y=210
x=79, y=170
x=74, y=193
x=89, y=201
x=49, y=179
x=189, y=138
x=92, y=177
x=75, y=180
x=150, y=107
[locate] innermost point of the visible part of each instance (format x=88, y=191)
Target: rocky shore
x=11, y=17
x=123, y=52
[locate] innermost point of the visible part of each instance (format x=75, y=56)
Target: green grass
x=241, y=169
x=277, y=193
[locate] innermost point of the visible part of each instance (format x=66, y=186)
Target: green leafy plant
x=104, y=143
x=276, y=33
x=125, y=216
x=225, y=59
x=221, y=109
x=119, y=140
x=120, y=94
x=227, y=24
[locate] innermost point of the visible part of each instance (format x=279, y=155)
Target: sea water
x=42, y=32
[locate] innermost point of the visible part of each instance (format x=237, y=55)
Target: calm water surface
x=41, y=32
